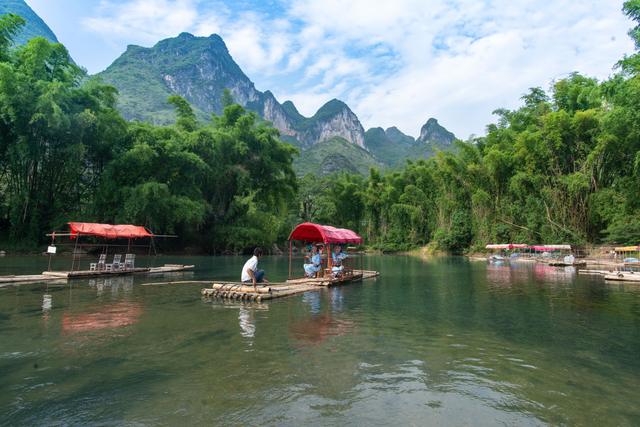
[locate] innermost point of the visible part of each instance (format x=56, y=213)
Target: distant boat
x=504, y=248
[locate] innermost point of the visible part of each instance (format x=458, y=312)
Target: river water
x=429, y=342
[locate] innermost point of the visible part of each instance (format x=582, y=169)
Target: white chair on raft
x=129, y=261
x=100, y=265
x=116, y=264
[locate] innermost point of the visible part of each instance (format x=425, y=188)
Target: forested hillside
x=33, y=26
x=66, y=153
x=564, y=167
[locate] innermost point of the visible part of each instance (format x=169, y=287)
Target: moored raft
x=80, y=274
x=620, y=276
x=246, y=292
x=29, y=278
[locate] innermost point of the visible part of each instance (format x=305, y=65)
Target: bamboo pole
x=290, y=250
x=183, y=282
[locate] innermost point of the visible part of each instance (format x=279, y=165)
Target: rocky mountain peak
x=433, y=133
x=185, y=35
x=331, y=107
x=335, y=119
x=200, y=69
x=395, y=135
x=291, y=111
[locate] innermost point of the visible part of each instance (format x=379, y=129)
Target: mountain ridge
x=201, y=68
x=34, y=25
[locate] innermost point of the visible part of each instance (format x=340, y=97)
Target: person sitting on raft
x=337, y=256
x=250, y=272
x=315, y=263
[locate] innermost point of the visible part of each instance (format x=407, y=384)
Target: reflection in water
x=623, y=286
x=506, y=275
x=499, y=274
x=115, y=284
x=436, y=342
x=246, y=316
x=336, y=298
x=47, y=303
x=318, y=328
x=547, y=273
x=110, y=316
x=313, y=300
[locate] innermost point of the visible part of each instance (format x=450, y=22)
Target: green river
x=430, y=342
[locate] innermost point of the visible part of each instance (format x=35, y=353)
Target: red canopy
x=507, y=246
x=549, y=248
x=311, y=232
x=108, y=231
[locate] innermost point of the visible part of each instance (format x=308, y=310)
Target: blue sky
x=396, y=63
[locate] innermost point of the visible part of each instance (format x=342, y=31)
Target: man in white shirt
x=250, y=272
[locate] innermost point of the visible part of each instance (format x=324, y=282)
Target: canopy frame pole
x=73, y=255
x=290, y=251
x=151, y=244
x=53, y=238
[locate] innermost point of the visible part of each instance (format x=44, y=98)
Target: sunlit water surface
x=437, y=342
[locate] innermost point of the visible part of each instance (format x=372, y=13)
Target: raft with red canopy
x=507, y=246
x=327, y=235
x=305, y=233
x=98, y=241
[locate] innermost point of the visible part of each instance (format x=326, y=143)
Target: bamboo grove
x=564, y=167
x=66, y=153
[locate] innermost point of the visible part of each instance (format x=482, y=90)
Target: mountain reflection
x=111, y=316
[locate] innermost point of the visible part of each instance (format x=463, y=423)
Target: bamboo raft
x=61, y=276
x=243, y=292
x=623, y=276
x=31, y=278
x=167, y=268
x=595, y=272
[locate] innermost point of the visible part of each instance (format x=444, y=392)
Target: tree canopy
x=564, y=167
x=66, y=153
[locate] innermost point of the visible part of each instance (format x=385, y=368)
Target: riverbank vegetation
x=67, y=154
x=564, y=167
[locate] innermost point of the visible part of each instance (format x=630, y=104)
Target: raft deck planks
x=33, y=278
x=243, y=292
x=167, y=268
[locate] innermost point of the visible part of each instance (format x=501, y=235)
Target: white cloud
x=395, y=63
x=144, y=21
x=462, y=59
